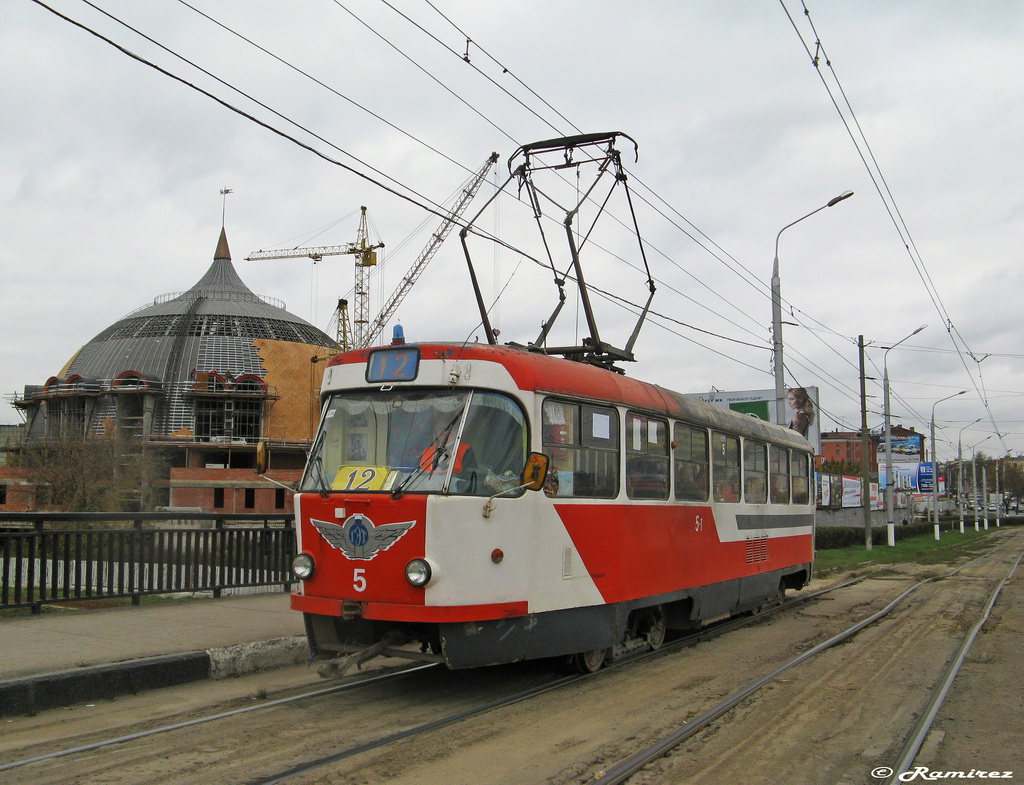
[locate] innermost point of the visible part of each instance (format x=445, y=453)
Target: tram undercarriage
x=590, y=635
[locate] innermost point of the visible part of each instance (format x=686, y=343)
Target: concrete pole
x=960, y=483
x=974, y=488
x=935, y=462
x=960, y=471
x=889, y=516
x=890, y=522
x=999, y=496
x=780, y=372
x=984, y=491
x=865, y=449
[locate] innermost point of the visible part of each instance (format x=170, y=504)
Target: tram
x=474, y=504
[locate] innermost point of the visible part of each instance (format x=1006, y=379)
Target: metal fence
x=61, y=557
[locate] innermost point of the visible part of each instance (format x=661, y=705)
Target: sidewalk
x=57, y=659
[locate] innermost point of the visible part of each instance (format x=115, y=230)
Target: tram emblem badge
x=359, y=538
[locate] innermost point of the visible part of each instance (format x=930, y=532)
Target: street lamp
x=960, y=471
x=890, y=524
x=780, y=386
x=974, y=483
x=935, y=461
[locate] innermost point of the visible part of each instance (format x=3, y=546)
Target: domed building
x=204, y=374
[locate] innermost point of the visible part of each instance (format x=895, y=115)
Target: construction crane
x=438, y=237
x=364, y=333
x=365, y=256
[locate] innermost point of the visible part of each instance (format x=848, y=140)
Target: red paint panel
x=379, y=579
x=439, y=614
x=321, y=606
x=636, y=551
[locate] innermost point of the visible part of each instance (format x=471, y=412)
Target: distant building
x=847, y=446
x=203, y=375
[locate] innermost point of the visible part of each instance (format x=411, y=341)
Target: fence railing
x=61, y=557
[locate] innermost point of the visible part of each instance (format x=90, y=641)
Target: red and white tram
x=657, y=511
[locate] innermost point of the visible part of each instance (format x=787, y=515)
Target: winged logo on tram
x=359, y=538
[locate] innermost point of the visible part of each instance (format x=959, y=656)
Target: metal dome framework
x=188, y=366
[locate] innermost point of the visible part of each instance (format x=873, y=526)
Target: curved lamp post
x=890, y=524
x=935, y=461
x=960, y=471
x=780, y=385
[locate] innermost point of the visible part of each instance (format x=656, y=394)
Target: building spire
x=222, y=252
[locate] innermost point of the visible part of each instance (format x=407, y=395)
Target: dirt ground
x=834, y=719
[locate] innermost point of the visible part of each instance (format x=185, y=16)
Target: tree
x=1013, y=478
x=844, y=466
x=94, y=474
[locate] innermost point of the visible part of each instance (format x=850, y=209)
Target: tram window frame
x=582, y=443
x=801, y=480
x=691, y=462
x=726, y=467
x=779, y=474
x=755, y=472
x=647, y=457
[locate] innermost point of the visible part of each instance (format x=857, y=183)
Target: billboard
x=801, y=408
x=905, y=449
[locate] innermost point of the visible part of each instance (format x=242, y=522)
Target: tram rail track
x=685, y=641
x=617, y=773
x=630, y=766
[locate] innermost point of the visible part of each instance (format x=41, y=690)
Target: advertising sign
x=925, y=477
x=801, y=408
x=852, y=491
x=905, y=449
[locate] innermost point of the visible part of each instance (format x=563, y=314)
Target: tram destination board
x=393, y=365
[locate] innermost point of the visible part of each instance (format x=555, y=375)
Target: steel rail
x=715, y=631
x=912, y=745
x=631, y=765
x=210, y=718
x=692, y=639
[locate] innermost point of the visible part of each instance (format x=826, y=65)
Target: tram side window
x=582, y=442
x=778, y=468
x=646, y=457
x=801, y=479
x=725, y=465
x=691, y=463
x=755, y=472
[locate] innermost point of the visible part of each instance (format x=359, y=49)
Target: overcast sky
x=110, y=178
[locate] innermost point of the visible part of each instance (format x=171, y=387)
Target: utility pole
x=865, y=446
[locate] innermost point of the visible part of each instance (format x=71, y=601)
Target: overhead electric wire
x=447, y=89
x=892, y=208
x=322, y=84
x=465, y=58
x=426, y=203
x=504, y=68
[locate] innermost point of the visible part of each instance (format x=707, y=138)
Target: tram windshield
x=463, y=442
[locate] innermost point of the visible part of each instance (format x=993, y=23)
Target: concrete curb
x=54, y=690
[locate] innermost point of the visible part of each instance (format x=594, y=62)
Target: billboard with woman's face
x=801, y=408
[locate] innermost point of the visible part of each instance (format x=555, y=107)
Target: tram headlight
x=303, y=566
x=417, y=572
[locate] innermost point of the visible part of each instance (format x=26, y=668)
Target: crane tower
x=365, y=332
x=365, y=257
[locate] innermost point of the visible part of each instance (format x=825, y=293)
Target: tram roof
x=537, y=372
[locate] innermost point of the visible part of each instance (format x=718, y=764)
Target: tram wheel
x=656, y=627
x=590, y=661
